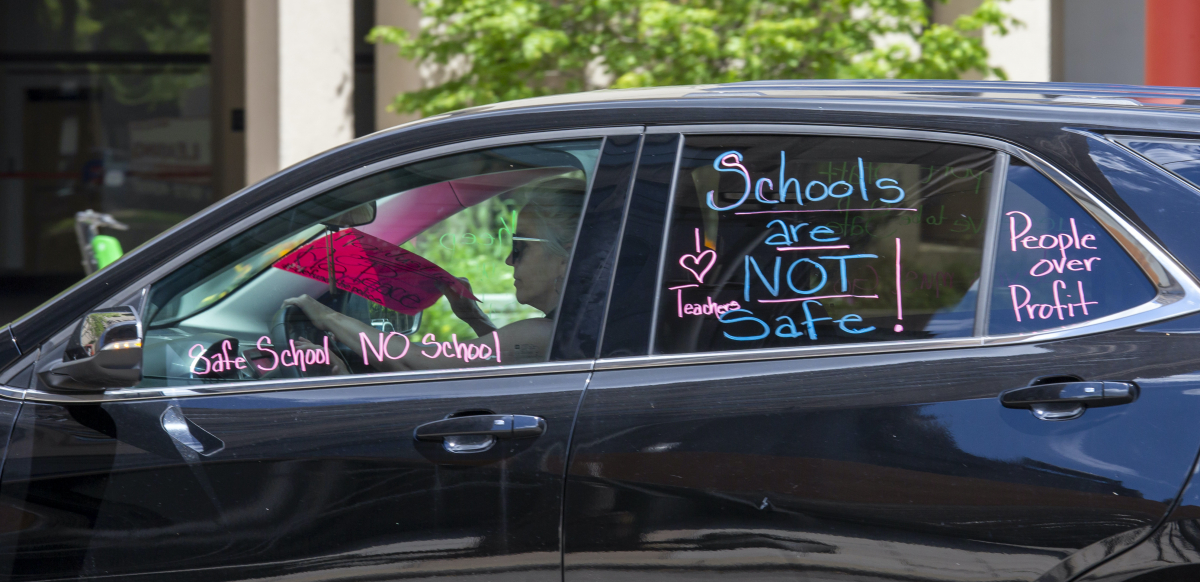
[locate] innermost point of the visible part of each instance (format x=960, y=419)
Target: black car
x=663, y=334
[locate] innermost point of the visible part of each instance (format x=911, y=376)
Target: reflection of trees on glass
x=133, y=26
x=459, y=245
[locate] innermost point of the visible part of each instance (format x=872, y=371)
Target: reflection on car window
x=225, y=282
x=449, y=263
x=1055, y=265
x=1179, y=156
x=791, y=241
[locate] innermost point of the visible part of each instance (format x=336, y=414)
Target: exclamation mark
x=899, y=302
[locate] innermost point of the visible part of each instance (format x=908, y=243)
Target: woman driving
x=541, y=249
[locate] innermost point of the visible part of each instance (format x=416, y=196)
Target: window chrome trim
x=1178, y=293
x=347, y=381
x=297, y=198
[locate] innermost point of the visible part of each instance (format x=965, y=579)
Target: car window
x=447, y=263
x=791, y=241
x=1055, y=265
x=1179, y=156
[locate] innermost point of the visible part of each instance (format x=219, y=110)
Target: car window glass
x=792, y=241
x=447, y=263
x=1179, y=156
x=1055, y=265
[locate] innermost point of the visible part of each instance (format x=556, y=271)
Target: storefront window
x=104, y=106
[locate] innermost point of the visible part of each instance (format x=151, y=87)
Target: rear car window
x=1055, y=265
x=791, y=241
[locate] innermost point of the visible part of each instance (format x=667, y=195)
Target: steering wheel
x=290, y=323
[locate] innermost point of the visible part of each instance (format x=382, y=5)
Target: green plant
x=496, y=50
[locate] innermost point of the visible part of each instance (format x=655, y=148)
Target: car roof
x=885, y=90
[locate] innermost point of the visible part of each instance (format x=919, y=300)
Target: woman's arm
x=468, y=310
x=345, y=329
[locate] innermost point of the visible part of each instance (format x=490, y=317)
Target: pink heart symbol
x=697, y=260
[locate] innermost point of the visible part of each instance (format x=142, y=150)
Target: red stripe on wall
x=1173, y=43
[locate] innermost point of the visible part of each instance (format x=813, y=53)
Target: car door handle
x=1067, y=400
x=501, y=426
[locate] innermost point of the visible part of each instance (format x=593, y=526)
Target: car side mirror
x=104, y=352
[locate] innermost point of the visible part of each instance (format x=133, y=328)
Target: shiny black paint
x=1007, y=112
x=1170, y=552
x=585, y=294
x=1162, y=203
x=876, y=467
x=9, y=352
x=630, y=307
x=322, y=483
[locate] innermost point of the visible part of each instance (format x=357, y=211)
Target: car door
x=219, y=466
x=821, y=390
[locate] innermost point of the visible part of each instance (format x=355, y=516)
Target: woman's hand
x=339, y=367
x=467, y=309
x=316, y=312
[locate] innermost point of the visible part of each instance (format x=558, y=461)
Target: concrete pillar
x=299, y=81
x=394, y=75
x=1104, y=41
x=1026, y=52
x=1173, y=43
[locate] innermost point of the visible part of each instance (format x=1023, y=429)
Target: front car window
x=453, y=262
x=792, y=241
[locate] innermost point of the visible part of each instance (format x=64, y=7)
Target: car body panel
x=9, y=352
x=859, y=467
x=326, y=483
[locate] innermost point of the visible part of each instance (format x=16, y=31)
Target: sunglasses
x=520, y=243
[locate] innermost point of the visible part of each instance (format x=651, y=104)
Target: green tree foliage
x=473, y=244
x=498, y=50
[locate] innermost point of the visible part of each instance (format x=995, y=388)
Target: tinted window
x=448, y=263
x=1180, y=156
x=787, y=241
x=1055, y=265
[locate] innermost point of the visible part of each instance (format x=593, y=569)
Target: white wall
x=1025, y=52
x=299, y=81
x=394, y=75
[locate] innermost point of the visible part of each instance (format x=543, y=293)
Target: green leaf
x=486, y=51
